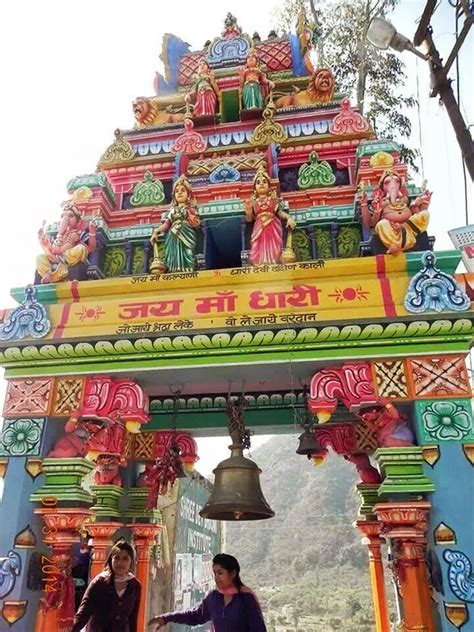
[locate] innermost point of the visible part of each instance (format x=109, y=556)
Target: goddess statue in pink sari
x=267, y=210
x=205, y=92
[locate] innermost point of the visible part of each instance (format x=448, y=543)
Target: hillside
x=307, y=564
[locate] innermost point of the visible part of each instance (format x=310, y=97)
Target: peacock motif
x=10, y=568
x=460, y=575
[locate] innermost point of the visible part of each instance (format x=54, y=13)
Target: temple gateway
x=247, y=254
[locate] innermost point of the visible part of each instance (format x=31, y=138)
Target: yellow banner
x=228, y=299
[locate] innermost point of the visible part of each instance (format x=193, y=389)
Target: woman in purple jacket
x=232, y=607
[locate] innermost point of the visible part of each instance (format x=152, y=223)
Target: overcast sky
x=70, y=71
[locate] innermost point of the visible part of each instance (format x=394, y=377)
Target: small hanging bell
x=237, y=494
x=308, y=445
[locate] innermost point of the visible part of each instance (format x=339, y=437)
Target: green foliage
x=374, y=77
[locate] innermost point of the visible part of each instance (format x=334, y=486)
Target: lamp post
x=382, y=34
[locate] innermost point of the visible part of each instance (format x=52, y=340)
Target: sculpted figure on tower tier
x=75, y=240
x=266, y=209
x=254, y=85
x=180, y=225
x=395, y=221
x=204, y=93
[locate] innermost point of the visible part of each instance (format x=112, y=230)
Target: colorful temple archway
x=242, y=229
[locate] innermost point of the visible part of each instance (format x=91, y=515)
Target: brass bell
x=308, y=443
x=237, y=494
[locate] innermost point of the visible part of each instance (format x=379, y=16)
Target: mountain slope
x=307, y=564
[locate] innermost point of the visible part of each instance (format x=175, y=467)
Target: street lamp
x=382, y=34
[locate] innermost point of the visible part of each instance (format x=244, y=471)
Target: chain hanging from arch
x=235, y=421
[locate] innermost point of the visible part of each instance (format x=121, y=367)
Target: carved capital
x=102, y=531
x=63, y=526
x=404, y=520
x=144, y=534
x=371, y=530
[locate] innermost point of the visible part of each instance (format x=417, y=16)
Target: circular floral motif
x=21, y=437
x=447, y=421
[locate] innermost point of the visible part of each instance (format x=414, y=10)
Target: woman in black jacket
x=112, y=599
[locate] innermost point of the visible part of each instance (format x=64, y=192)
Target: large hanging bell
x=237, y=494
x=308, y=443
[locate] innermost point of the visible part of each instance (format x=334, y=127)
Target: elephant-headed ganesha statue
x=75, y=240
x=398, y=225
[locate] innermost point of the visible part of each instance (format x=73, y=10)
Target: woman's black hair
x=229, y=563
x=120, y=545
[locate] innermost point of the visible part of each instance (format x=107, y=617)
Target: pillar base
x=403, y=469
x=107, y=498
x=370, y=497
x=136, y=510
x=64, y=481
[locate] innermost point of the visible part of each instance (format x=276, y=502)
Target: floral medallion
x=21, y=437
x=446, y=420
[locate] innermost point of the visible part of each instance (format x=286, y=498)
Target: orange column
x=63, y=527
x=144, y=536
x=405, y=523
x=101, y=534
x=371, y=530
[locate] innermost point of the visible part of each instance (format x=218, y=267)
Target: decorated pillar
x=144, y=536
x=27, y=435
x=62, y=529
x=445, y=432
x=405, y=523
x=101, y=534
x=371, y=530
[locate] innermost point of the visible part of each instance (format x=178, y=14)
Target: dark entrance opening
x=223, y=243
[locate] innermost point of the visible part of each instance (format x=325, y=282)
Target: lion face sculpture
x=322, y=85
x=148, y=114
x=320, y=90
x=141, y=108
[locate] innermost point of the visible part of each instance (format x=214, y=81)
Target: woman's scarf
x=233, y=590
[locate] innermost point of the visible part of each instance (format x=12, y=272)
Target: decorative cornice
x=378, y=339
x=218, y=402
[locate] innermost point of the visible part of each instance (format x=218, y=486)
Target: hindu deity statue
x=205, y=92
x=180, y=225
x=75, y=240
x=75, y=441
x=107, y=470
x=266, y=208
x=254, y=86
x=231, y=28
x=395, y=221
x=390, y=426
